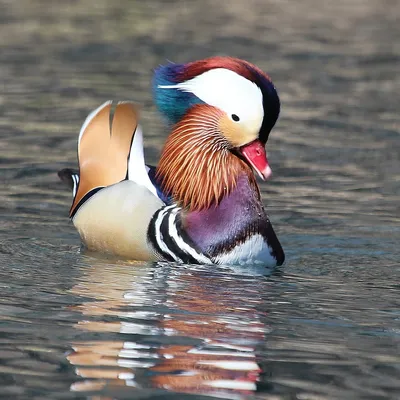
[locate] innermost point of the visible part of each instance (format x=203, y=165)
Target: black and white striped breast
x=169, y=240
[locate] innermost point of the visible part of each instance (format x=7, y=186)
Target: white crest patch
x=230, y=92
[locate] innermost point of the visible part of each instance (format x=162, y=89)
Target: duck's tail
x=71, y=178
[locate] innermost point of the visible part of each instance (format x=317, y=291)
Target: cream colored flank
x=115, y=219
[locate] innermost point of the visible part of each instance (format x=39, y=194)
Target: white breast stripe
x=253, y=251
x=181, y=243
x=159, y=236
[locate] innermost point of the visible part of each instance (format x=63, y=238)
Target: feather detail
x=104, y=148
x=174, y=103
x=197, y=165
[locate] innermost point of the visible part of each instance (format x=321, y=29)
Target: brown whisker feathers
x=196, y=165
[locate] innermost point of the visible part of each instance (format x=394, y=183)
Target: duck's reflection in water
x=180, y=328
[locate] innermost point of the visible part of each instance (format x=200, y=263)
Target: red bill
x=254, y=152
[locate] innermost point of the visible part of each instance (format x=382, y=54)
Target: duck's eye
x=235, y=118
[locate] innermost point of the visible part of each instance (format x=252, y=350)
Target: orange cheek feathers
x=234, y=132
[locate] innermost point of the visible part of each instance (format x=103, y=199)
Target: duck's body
x=202, y=203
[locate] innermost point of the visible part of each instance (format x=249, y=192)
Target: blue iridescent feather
x=173, y=103
x=165, y=197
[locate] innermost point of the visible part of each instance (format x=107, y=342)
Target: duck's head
x=237, y=97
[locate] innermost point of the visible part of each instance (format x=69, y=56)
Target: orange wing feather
x=103, y=150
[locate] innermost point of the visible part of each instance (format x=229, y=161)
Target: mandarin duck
x=201, y=204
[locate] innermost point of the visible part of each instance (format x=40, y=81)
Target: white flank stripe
x=181, y=243
x=159, y=236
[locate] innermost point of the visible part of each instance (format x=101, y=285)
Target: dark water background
x=324, y=326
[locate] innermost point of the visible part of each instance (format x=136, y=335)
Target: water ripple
x=324, y=326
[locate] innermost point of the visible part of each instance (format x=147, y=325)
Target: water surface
x=324, y=326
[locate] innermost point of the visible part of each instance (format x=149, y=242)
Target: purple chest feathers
x=237, y=222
